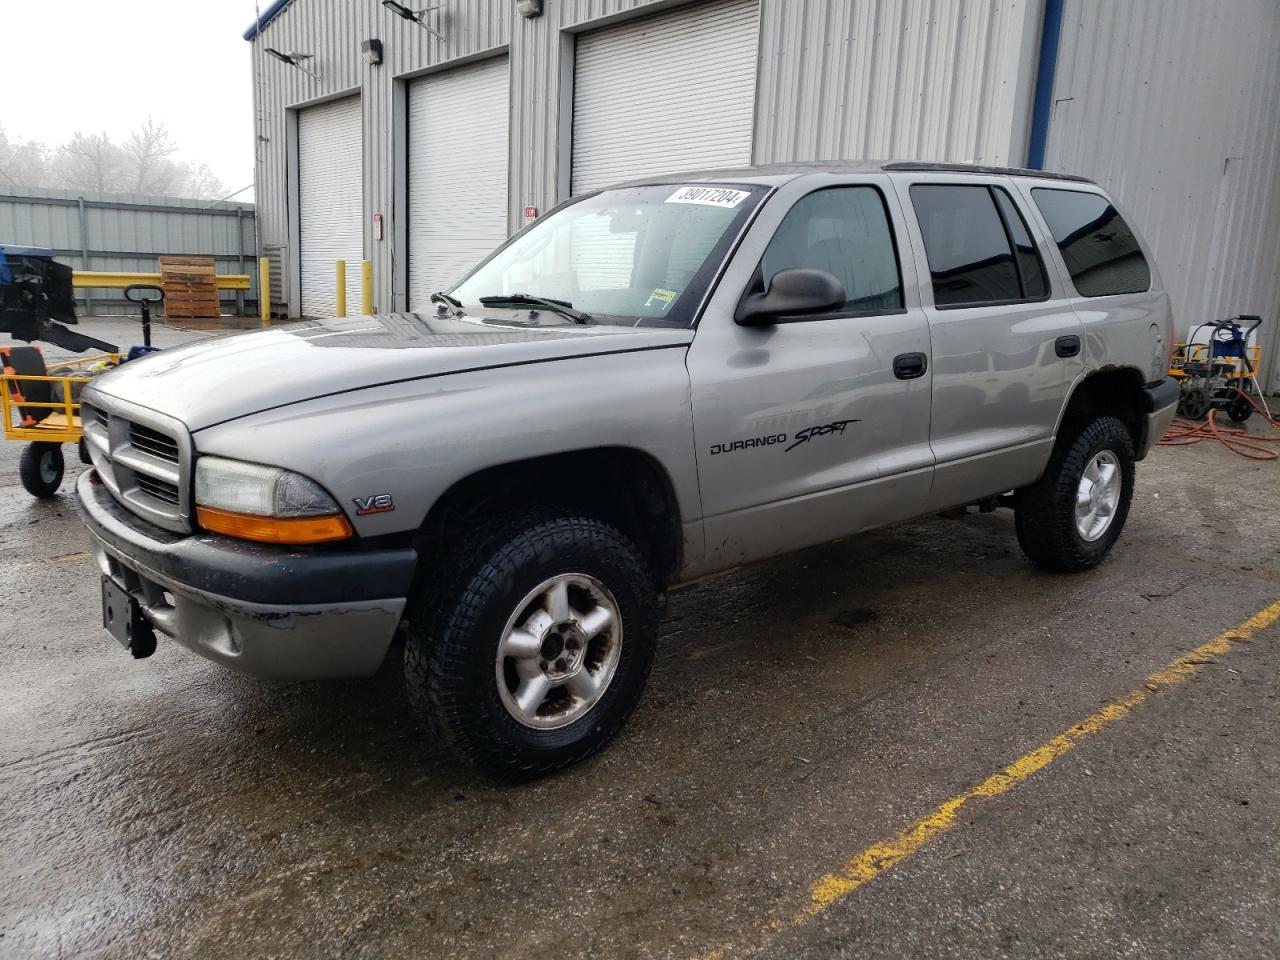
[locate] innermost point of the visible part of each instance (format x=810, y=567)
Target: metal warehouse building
x=423, y=151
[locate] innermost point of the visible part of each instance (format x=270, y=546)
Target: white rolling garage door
x=458, y=148
x=669, y=92
x=330, y=201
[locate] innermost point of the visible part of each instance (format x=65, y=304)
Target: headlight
x=254, y=502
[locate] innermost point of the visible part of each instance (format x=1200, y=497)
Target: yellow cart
x=43, y=410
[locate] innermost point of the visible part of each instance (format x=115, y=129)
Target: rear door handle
x=1067, y=346
x=910, y=366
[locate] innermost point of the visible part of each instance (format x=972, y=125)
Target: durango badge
x=381, y=503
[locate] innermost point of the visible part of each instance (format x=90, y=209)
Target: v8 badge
x=380, y=503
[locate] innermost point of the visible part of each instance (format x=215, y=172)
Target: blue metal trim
x=265, y=19
x=1050, y=33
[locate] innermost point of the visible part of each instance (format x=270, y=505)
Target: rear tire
x=1069, y=519
x=510, y=688
x=40, y=468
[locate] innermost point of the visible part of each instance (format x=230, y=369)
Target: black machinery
x=37, y=299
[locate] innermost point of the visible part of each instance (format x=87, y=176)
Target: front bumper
x=274, y=612
x=1160, y=405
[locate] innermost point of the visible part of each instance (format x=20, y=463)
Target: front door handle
x=910, y=366
x=1067, y=346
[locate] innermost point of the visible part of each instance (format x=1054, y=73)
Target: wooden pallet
x=190, y=287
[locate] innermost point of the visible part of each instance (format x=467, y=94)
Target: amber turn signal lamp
x=290, y=530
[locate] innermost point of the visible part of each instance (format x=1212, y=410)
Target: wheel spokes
x=531, y=693
x=597, y=620
x=1106, y=475
x=557, y=601
x=520, y=644
x=584, y=685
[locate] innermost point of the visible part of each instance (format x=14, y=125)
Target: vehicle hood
x=225, y=378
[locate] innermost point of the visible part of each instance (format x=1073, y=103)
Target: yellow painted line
x=876, y=859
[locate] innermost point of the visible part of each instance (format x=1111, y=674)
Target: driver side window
x=844, y=231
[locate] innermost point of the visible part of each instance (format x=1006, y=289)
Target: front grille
x=153, y=442
x=142, y=458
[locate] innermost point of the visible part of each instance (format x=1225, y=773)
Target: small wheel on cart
x=1194, y=404
x=1240, y=408
x=40, y=468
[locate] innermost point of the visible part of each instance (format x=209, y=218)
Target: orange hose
x=1184, y=433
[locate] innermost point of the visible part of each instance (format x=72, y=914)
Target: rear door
x=1006, y=342
x=804, y=431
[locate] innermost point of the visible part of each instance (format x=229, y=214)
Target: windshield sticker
x=660, y=296
x=709, y=196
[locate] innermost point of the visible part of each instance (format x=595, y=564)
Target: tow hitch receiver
x=122, y=616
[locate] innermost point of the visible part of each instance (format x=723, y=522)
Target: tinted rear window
x=1100, y=250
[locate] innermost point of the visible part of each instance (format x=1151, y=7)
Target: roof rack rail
x=938, y=167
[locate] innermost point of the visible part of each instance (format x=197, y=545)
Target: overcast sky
x=103, y=66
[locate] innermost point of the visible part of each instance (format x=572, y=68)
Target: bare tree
x=144, y=163
x=23, y=162
x=147, y=154
x=89, y=162
x=200, y=183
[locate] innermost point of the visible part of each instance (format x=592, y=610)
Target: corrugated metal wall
x=939, y=79
x=1172, y=105
x=918, y=79
x=127, y=232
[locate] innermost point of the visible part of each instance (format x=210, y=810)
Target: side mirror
x=792, y=295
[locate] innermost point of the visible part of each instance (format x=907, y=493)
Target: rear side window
x=844, y=231
x=979, y=249
x=1100, y=250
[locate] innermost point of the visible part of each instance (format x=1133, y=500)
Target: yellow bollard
x=366, y=287
x=341, y=267
x=264, y=290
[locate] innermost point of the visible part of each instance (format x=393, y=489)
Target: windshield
x=636, y=255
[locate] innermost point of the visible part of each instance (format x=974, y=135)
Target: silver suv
x=649, y=384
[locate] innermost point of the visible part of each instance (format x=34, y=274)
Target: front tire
x=40, y=468
x=531, y=655
x=1069, y=519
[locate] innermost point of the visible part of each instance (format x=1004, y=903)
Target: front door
x=805, y=432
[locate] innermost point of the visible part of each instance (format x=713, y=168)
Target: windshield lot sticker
x=660, y=296
x=835, y=427
x=709, y=196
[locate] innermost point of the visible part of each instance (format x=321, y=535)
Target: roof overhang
x=265, y=18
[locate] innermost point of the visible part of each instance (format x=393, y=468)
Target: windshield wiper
x=562, y=307
x=440, y=297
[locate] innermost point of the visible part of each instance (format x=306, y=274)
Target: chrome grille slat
x=153, y=442
x=141, y=462
x=161, y=490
